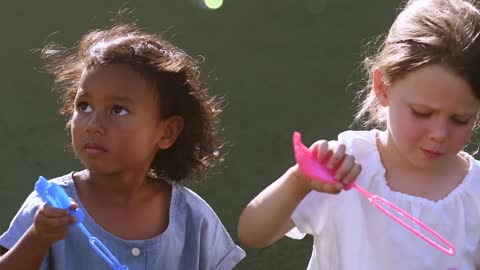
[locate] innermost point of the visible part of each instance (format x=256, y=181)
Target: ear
x=380, y=88
x=169, y=131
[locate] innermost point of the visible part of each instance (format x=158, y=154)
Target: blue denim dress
x=194, y=239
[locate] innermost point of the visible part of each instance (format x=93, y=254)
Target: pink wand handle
x=310, y=166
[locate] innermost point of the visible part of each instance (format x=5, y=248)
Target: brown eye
x=84, y=107
x=119, y=110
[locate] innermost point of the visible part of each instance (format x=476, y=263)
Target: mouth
x=94, y=149
x=431, y=154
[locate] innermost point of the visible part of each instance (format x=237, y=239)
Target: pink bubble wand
x=310, y=166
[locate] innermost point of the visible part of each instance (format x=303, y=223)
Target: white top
x=350, y=233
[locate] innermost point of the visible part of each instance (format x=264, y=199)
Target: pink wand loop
x=308, y=164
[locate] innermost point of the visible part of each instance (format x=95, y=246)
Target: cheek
x=74, y=126
x=131, y=134
x=405, y=128
x=75, y=134
x=459, y=137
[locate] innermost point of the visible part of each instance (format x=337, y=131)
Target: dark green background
x=282, y=66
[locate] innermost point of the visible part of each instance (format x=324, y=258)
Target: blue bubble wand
x=55, y=196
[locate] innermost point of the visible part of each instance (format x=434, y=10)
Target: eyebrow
x=121, y=99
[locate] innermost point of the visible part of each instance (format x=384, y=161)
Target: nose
x=439, y=130
x=95, y=123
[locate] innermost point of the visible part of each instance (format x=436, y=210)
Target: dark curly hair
x=177, y=79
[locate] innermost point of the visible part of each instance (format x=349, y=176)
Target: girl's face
x=431, y=114
x=116, y=124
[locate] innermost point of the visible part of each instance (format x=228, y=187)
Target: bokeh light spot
x=213, y=4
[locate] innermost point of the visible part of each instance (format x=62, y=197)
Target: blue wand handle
x=55, y=196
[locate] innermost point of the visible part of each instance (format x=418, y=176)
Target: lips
x=94, y=149
x=431, y=153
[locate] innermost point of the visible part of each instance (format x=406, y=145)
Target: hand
x=332, y=154
x=51, y=224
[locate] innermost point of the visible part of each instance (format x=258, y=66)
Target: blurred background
x=280, y=65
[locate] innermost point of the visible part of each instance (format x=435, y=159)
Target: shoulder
x=473, y=174
x=64, y=180
x=475, y=164
x=33, y=200
x=216, y=248
x=192, y=204
x=358, y=136
x=363, y=145
x=23, y=218
x=474, y=169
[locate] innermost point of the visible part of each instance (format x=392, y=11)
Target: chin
x=97, y=167
x=424, y=163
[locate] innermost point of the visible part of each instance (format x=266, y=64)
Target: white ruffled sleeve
x=311, y=214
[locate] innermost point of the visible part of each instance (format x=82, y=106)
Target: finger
x=39, y=217
x=323, y=152
x=49, y=229
x=50, y=211
x=45, y=229
x=73, y=204
x=327, y=187
x=337, y=157
x=353, y=173
x=344, y=168
x=57, y=223
x=321, y=148
x=53, y=235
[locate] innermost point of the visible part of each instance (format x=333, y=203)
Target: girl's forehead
x=101, y=71
x=119, y=79
x=121, y=74
x=436, y=86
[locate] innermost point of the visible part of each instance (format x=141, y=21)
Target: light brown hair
x=444, y=32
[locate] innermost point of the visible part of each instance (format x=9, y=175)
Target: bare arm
x=267, y=217
x=49, y=226
x=26, y=254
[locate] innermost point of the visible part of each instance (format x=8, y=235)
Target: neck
x=124, y=186
x=393, y=159
x=405, y=176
